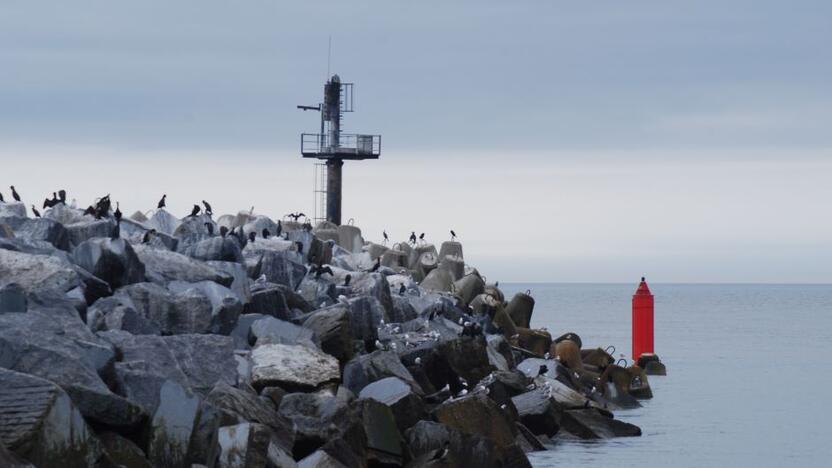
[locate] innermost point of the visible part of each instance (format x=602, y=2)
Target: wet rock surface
x=188, y=346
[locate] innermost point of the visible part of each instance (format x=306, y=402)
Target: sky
x=563, y=141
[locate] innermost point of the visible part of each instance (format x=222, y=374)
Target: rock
x=394, y=258
x=539, y=412
x=534, y=341
x=162, y=221
x=224, y=249
x=569, y=336
x=12, y=208
x=402, y=310
x=275, y=394
x=174, y=313
x=500, y=355
x=114, y=313
x=163, y=266
x=320, y=459
x=172, y=424
x=477, y=414
x=467, y=357
x=281, y=268
x=250, y=445
x=349, y=237
x=520, y=309
x=597, y=358
x=455, y=266
x=225, y=304
x=134, y=232
x=527, y=441
x=112, y=260
x=292, y=367
x=85, y=229
x=6, y=231
x=37, y=272
x=269, y=330
x=39, y=423
x=366, y=315
x=195, y=362
x=318, y=291
x=242, y=330
x=398, y=395
x=368, y=368
x=434, y=444
x=240, y=284
x=269, y=299
x=451, y=249
x=383, y=440
x=54, y=344
x=123, y=451
x=42, y=229
x=332, y=328
x=375, y=285
x=249, y=407
x=592, y=423
x=317, y=417
x=651, y=364
x=438, y=280
x=12, y=298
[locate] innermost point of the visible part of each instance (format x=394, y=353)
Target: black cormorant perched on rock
x=279, y=228
x=148, y=235
x=422, y=237
x=116, y=230
x=386, y=239
x=161, y=203
x=251, y=236
x=54, y=201
x=210, y=228
x=266, y=233
x=402, y=289
x=195, y=211
x=223, y=231
x=376, y=266
x=208, y=209
x=453, y=235
x=90, y=211
x=299, y=247
x=347, y=280
x=15, y=195
x=35, y=211
x=117, y=214
x=62, y=196
x=413, y=237
x=2, y=200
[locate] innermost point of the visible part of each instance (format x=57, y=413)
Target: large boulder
x=240, y=284
x=12, y=209
x=467, y=356
x=375, y=285
x=122, y=451
x=477, y=414
x=269, y=299
x=539, y=412
x=438, y=445
x=172, y=425
x=162, y=221
x=292, y=367
x=593, y=423
x=35, y=272
x=215, y=248
x=332, y=327
x=115, y=313
x=407, y=406
x=163, y=266
x=86, y=229
x=247, y=406
x=54, y=344
x=316, y=416
x=226, y=306
x=174, y=313
x=39, y=423
x=366, y=315
x=438, y=280
x=281, y=268
x=12, y=298
x=42, y=229
x=269, y=330
x=112, y=260
x=368, y=368
x=250, y=445
x=520, y=309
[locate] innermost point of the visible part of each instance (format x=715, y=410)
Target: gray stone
x=86, y=229
x=269, y=299
x=242, y=331
x=247, y=406
x=366, y=369
x=123, y=451
x=375, y=285
x=174, y=313
x=240, y=285
x=316, y=416
x=162, y=221
x=281, y=268
x=216, y=248
x=112, y=260
x=292, y=367
x=397, y=394
x=592, y=423
x=349, y=237
x=434, y=444
x=12, y=208
x=269, y=330
x=455, y=266
x=172, y=424
x=366, y=315
x=402, y=310
x=37, y=272
x=162, y=266
x=479, y=415
x=451, y=249
x=520, y=309
x=115, y=313
x=539, y=412
x=438, y=280
x=332, y=328
x=43, y=229
x=250, y=445
x=40, y=424
x=467, y=357
x=226, y=306
x=12, y=298
x=318, y=291
x=320, y=459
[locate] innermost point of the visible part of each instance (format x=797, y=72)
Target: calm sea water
x=749, y=373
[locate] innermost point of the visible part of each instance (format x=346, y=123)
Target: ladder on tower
x=319, y=193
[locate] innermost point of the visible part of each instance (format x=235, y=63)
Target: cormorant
x=266, y=233
x=422, y=237
x=148, y=235
x=46, y=203
x=223, y=231
x=195, y=211
x=161, y=203
x=279, y=228
x=299, y=247
x=210, y=228
x=402, y=289
x=386, y=239
x=15, y=194
x=90, y=211
x=54, y=201
x=117, y=230
x=376, y=266
x=347, y=280
x=453, y=235
x=251, y=236
x=35, y=211
x=307, y=226
x=208, y=209
x=117, y=214
x=413, y=237
x=2, y=200
x=62, y=196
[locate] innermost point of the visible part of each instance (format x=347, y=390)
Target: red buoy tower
x=642, y=321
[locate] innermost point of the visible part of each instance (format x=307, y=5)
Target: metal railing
x=316, y=144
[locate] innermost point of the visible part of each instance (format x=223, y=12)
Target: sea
x=749, y=374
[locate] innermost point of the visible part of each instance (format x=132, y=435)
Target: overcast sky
x=563, y=141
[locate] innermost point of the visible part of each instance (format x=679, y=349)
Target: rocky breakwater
x=181, y=342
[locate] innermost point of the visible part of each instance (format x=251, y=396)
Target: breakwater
x=240, y=340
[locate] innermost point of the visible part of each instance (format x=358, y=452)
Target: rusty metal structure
x=333, y=147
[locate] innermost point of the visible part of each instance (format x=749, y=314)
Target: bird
x=251, y=236
x=386, y=239
x=402, y=289
x=90, y=210
x=279, y=228
x=116, y=230
x=453, y=235
x=320, y=270
x=208, y=209
x=376, y=266
x=15, y=195
x=2, y=200
x=195, y=211
x=543, y=369
x=223, y=231
x=161, y=203
x=307, y=226
x=422, y=237
x=148, y=235
x=54, y=201
x=62, y=196
x=35, y=211
x=210, y=228
x=266, y=233
x=117, y=214
x=347, y=280
x=299, y=247
x=413, y=237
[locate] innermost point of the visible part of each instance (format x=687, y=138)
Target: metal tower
x=332, y=146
